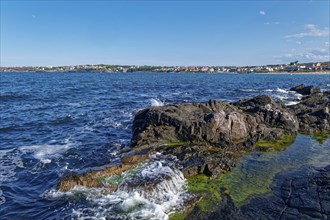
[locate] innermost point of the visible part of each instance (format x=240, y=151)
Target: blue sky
x=238, y=33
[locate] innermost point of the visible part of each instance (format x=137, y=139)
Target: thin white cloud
x=306, y=55
x=262, y=13
x=272, y=23
x=312, y=30
x=298, y=42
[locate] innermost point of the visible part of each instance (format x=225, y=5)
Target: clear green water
x=255, y=173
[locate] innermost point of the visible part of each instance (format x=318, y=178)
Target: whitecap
x=156, y=102
x=282, y=97
x=45, y=161
x=248, y=90
x=268, y=90
x=291, y=103
x=297, y=95
x=45, y=152
x=282, y=90
x=117, y=125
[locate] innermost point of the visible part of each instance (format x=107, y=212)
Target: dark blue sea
x=54, y=123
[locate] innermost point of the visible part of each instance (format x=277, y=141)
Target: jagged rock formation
x=313, y=113
x=216, y=123
x=231, y=125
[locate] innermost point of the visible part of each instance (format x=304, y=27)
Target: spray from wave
x=152, y=190
x=156, y=102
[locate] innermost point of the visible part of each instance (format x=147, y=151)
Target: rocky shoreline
x=209, y=139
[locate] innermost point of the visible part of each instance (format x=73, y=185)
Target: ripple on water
x=10, y=161
x=2, y=198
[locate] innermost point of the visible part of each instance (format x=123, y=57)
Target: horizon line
x=161, y=65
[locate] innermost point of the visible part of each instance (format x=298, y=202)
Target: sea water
x=55, y=123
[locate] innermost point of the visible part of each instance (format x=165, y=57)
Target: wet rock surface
x=225, y=210
x=301, y=194
x=313, y=113
x=93, y=178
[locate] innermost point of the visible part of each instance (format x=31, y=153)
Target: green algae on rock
x=115, y=180
x=175, y=144
x=276, y=145
x=321, y=136
x=207, y=188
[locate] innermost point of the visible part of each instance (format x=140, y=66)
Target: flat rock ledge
x=299, y=194
x=209, y=138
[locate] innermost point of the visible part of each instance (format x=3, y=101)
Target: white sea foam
x=282, y=90
x=46, y=152
x=10, y=160
x=281, y=97
x=249, y=90
x=297, y=95
x=151, y=191
x=291, y=103
x=118, y=125
x=256, y=90
x=288, y=97
x=156, y=102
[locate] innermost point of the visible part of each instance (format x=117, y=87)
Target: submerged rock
x=301, y=194
x=224, y=210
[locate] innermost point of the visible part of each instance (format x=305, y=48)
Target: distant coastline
x=307, y=73
x=291, y=68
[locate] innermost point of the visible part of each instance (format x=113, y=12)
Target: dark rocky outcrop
x=313, y=113
x=216, y=123
x=236, y=126
x=305, y=90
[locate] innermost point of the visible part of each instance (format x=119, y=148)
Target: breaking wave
x=156, y=102
x=149, y=191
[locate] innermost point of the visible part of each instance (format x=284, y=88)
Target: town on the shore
x=279, y=68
